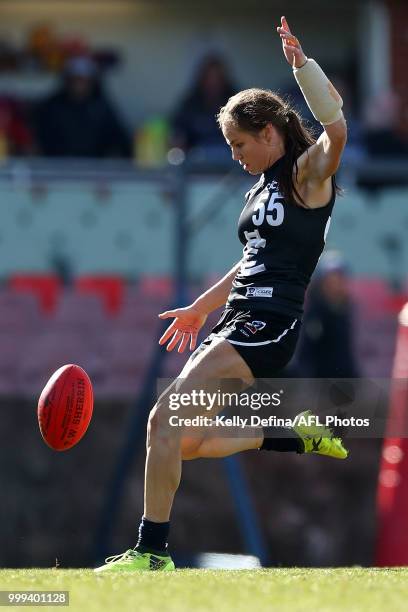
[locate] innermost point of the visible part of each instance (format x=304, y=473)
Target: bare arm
x=189, y=320
x=216, y=295
x=322, y=159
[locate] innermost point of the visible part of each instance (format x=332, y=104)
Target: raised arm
x=322, y=159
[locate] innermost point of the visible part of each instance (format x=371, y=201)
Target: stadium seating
x=80, y=311
x=20, y=320
x=156, y=286
x=11, y=353
x=18, y=311
x=109, y=288
x=46, y=352
x=375, y=325
x=46, y=287
x=372, y=294
x=140, y=307
x=113, y=333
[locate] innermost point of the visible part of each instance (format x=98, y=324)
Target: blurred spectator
x=381, y=137
x=78, y=120
x=152, y=143
x=44, y=50
x=15, y=136
x=61, y=265
x=194, y=126
x=8, y=56
x=326, y=345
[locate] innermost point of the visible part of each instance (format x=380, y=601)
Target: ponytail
x=297, y=140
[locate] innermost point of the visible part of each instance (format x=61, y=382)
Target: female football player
x=283, y=227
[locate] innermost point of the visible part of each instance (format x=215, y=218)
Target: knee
x=190, y=448
x=159, y=429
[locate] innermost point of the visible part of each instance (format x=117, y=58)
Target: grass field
x=295, y=589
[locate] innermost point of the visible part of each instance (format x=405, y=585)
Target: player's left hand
x=187, y=323
x=291, y=45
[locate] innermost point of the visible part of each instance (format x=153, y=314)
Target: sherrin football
x=65, y=407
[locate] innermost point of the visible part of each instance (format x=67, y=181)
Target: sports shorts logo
x=259, y=292
x=254, y=326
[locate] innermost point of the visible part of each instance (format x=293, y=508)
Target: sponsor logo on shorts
x=227, y=329
x=259, y=292
x=254, y=326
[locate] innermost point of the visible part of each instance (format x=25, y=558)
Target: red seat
x=48, y=351
x=46, y=287
x=397, y=301
x=109, y=288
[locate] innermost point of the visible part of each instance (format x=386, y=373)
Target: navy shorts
x=265, y=340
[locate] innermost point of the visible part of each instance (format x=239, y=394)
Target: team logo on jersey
x=274, y=186
x=254, y=326
x=259, y=292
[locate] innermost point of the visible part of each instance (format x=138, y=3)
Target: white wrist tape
x=320, y=95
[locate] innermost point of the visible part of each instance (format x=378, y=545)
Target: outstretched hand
x=184, y=329
x=291, y=45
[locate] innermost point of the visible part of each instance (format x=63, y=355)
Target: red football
x=65, y=407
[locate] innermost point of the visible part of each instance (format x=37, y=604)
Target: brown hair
x=251, y=109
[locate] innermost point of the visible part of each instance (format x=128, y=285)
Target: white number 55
x=275, y=211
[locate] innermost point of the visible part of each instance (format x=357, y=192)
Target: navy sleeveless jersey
x=282, y=245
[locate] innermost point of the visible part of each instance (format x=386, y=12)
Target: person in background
x=194, y=128
x=15, y=135
x=79, y=120
x=326, y=344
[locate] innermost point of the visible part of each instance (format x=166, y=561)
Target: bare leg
x=212, y=445
x=162, y=470
x=163, y=461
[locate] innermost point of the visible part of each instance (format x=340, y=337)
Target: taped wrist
x=320, y=95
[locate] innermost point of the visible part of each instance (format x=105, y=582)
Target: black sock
x=153, y=537
x=282, y=440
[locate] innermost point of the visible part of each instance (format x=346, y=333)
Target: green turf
x=280, y=590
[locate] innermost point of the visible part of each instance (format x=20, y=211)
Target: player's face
x=254, y=152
